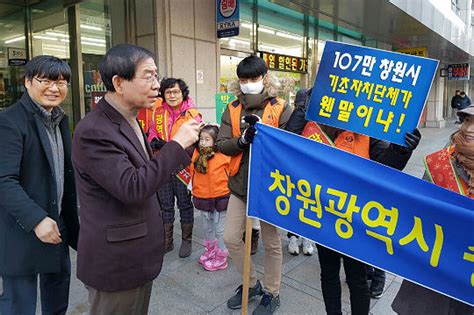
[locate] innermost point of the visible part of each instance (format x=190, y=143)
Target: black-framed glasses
x=61, y=84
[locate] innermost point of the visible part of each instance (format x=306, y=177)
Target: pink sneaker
x=210, y=252
x=219, y=262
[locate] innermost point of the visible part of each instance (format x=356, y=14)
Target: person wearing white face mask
x=257, y=100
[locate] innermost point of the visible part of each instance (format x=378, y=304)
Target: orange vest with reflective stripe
x=271, y=116
x=161, y=116
x=354, y=143
x=347, y=140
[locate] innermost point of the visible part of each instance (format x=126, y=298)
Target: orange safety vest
x=347, y=140
x=271, y=116
x=439, y=166
x=161, y=116
x=213, y=184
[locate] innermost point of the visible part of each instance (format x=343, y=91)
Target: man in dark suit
x=38, y=209
x=121, y=243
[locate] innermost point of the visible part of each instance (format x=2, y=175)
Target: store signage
x=416, y=51
x=222, y=100
x=370, y=91
x=227, y=18
x=459, y=71
x=285, y=63
x=16, y=57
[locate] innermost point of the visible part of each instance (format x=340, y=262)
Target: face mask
x=252, y=87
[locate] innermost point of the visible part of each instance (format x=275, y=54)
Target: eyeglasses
x=61, y=84
x=151, y=79
x=173, y=92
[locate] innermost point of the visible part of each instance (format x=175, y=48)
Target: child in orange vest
x=209, y=170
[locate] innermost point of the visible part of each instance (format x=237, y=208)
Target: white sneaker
x=308, y=248
x=294, y=246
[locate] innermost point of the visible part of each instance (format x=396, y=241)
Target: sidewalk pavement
x=184, y=287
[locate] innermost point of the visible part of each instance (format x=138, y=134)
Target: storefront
x=46, y=28
x=287, y=37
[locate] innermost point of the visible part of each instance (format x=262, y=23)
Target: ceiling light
x=55, y=49
x=65, y=40
x=16, y=39
x=268, y=47
x=238, y=41
x=92, y=44
x=266, y=30
x=246, y=25
x=92, y=39
x=90, y=27
x=290, y=36
x=57, y=34
x=44, y=37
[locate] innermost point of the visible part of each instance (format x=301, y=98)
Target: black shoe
x=376, y=289
x=268, y=305
x=235, y=302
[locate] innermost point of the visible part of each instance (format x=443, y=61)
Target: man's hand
x=251, y=119
x=48, y=232
x=412, y=139
x=188, y=133
x=247, y=136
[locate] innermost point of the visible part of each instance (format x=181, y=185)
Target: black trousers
x=356, y=274
x=19, y=294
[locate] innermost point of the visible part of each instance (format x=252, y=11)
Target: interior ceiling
x=381, y=20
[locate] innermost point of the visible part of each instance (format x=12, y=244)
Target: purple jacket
x=121, y=242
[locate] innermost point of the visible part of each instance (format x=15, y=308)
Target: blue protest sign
x=370, y=91
x=365, y=210
x=227, y=18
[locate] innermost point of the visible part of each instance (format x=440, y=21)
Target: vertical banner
x=363, y=209
x=227, y=18
x=222, y=100
x=370, y=91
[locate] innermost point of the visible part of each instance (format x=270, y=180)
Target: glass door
x=13, y=53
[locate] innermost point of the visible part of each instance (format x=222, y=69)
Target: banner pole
x=246, y=273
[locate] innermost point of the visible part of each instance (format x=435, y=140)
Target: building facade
x=182, y=34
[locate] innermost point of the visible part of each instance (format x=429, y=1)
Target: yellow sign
x=417, y=51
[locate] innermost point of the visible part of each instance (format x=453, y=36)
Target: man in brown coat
x=121, y=245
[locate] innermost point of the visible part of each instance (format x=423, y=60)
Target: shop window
x=281, y=31
x=13, y=54
x=96, y=38
x=242, y=42
x=228, y=72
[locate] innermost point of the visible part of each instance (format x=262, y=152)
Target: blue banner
x=227, y=18
x=365, y=210
x=370, y=91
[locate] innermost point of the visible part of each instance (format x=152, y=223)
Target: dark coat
x=28, y=191
x=456, y=102
x=121, y=243
x=464, y=102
